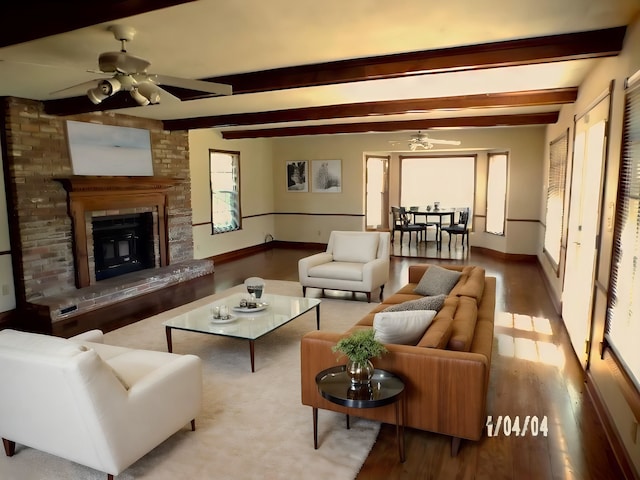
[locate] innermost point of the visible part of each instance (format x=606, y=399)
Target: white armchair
x=98, y=405
x=353, y=261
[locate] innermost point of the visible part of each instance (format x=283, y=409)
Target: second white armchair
x=353, y=261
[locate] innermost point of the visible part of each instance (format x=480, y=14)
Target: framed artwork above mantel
x=97, y=149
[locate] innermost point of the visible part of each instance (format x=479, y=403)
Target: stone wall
x=36, y=154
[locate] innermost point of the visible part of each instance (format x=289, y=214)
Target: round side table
x=385, y=388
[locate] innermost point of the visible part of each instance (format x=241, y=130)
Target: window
x=224, y=169
x=448, y=180
x=496, y=193
x=554, y=219
x=623, y=316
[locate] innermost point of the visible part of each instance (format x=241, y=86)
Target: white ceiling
x=210, y=38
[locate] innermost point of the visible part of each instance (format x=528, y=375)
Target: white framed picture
x=326, y=176
x=298, y=176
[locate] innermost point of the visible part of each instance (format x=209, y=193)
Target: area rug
x=253, y=425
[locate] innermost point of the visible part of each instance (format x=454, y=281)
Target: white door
x=584, y=223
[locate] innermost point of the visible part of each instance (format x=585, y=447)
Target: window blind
x=558, y=155
x=622, y=328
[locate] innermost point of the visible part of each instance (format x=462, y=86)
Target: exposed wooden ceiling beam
x=26, y=20
x=390, y=107
x=424, y=124
x=552, y=48
x=591, y=44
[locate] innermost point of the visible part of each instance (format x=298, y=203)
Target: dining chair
x=402, y=224
x=415, y=211
x=461, y=227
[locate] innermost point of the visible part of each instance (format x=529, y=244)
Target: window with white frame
x=447, y=180
x=496, y=193
x=224, y=175
x=554, y=219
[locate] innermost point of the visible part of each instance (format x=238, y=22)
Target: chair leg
x=381, y=292
x=304, y=291
x=193, y=425
x=368, y=297
x=9, y=447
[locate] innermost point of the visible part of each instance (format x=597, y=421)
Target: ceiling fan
x=129, y=74
x=422, y=140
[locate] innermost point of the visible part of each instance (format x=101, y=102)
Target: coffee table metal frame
x=250, y=326
x=334, y=384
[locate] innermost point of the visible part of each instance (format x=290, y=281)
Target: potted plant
x=360, y=347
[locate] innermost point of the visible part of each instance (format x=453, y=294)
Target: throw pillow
x=437, y=280
x=404, y=328
x=425, y=303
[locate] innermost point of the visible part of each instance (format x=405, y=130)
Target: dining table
x=439, y=214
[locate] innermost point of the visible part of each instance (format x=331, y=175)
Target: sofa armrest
x=156, y=406
x=375, y=272
x=313, y=260
x=95, y=336
x=445, y=390
x=305, y=264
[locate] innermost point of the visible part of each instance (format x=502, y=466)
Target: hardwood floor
x=533, y=373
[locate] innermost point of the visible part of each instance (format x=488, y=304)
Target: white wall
x=256, y=186
x=524, y=144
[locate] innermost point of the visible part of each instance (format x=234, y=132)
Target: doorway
x=584, y=225
x=377, y=193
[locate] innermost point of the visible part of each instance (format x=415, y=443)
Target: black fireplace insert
x=122, y=244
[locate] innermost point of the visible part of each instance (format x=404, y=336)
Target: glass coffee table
x=385, y=388
x=244, y=323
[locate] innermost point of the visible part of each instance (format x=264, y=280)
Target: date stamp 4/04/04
x=506, y=425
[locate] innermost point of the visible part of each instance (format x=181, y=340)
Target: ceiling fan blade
x=85, y=85
x=199, y=85
x=443, y=142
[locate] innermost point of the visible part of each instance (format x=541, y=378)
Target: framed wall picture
x=298, y=176
x=109, y=150
x=326, y=176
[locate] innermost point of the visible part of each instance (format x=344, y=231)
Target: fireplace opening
x=122, y=244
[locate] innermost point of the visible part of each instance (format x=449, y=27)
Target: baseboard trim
x=7, y=319
x=626, y=465
x=509, y=257
x=245, y=252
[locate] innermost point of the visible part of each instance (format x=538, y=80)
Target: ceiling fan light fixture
x=138, y=97
x=150, y=92
x=95, y=95
x=104, y=89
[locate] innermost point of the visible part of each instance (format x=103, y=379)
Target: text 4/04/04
x=507, y=426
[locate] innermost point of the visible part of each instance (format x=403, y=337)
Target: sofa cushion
x=356, y=247
x=438, y=333
x=464, y=323
x=337, y=271
x=425, y=303
x=473, y=284
x=404, y=328
x=437, y=280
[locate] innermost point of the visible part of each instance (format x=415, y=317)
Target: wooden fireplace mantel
x=92, y=193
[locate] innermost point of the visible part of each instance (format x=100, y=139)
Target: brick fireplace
x=93, y=198
x=51, y=210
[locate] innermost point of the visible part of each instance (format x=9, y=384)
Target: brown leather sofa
x=446, y=374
